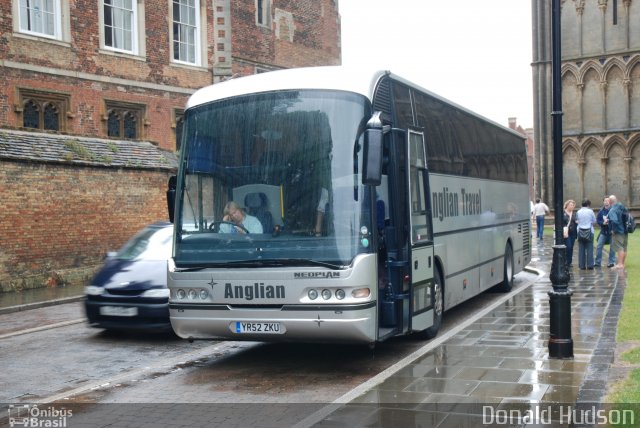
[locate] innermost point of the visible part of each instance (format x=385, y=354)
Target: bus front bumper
x=354, y=323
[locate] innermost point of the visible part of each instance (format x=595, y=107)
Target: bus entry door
x=422, y=260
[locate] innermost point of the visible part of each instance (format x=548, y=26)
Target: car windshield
x=283, y=165
x=151, y=243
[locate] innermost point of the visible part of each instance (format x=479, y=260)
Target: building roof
x=47, y=147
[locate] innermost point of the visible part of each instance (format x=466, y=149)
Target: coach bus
x=380, y=203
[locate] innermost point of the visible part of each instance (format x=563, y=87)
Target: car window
x=148, y=244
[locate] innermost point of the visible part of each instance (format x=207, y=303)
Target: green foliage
x=78, y=150
x=632, y=356
x=113, y=147
x=628, y=391
x=630, y=316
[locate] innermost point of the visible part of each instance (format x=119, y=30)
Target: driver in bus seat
x=233, y=213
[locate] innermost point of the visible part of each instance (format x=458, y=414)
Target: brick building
x=125, y=70
x=66, y=201
x=88, y=86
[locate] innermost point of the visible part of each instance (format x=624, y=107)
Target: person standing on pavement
x=570, y=228
x=540, y=209
x=604, y=237
x=619, y=236
x=585, y=219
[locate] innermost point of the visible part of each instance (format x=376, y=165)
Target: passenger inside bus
x=321, y=209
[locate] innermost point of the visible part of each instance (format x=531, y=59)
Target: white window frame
x=133, y=21
x=197, y=30
x=264, y=20
x=24, y=17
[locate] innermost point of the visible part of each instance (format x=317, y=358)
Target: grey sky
x=475, y=53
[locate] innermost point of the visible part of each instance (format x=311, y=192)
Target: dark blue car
x=130, y=291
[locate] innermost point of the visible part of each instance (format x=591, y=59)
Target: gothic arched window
x=124, y=120
x=31, y=115
x=130, y=125
x=42, y=110
x=51, y=117
x=113, y=124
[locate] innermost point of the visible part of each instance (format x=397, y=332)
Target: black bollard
x=560, y=341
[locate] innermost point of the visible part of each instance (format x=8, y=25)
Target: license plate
x=257, y=327
x=118, y=311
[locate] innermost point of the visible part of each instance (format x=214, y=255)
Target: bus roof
x=351, y=79
x=331, y=77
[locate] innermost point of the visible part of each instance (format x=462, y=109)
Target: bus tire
x=507, y=283
x=438, y=307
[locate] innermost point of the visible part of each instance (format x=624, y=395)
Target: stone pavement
x=495, y=371
x=38, y=298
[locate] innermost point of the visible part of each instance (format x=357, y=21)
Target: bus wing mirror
x=372, y=151
x=171, y=197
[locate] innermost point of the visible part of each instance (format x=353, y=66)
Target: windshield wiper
x=190, y=269
x=235, y=264
x=308, y=262
x=262, y=263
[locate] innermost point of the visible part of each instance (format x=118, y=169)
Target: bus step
x=386, y=333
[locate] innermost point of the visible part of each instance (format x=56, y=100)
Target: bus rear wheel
x=438, y=307
x=507, y=283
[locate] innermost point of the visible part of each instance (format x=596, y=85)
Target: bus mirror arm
x=171, y=197
x=372, y=151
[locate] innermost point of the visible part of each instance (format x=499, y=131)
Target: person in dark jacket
x=604, y=237
x=619, y=236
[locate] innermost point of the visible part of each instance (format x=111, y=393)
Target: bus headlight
x=204, y=294
x=326, y=294
x=340, y=294
x=360, y=293
x=192, y=294
x=312, y=294
x=181, y=294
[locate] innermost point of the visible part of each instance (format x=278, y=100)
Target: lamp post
x=560, y=341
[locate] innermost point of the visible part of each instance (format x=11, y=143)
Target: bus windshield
x=290, y=161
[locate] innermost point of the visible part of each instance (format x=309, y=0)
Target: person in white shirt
x=540, y=209
x=585, y=218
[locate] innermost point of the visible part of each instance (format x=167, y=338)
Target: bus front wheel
x=438, y=307
x=507, y=283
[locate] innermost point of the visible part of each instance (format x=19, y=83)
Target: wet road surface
x=61, y=358
x=133, y=379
